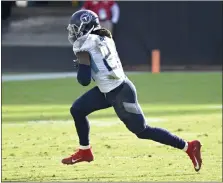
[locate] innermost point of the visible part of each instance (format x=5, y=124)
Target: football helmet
x=81, y=23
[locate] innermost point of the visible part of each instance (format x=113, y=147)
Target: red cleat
x=194, y=152
x=80, y=156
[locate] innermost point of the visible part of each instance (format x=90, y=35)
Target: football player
x=98, y=60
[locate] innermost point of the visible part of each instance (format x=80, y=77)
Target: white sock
x=185, y=147
x=85, y=147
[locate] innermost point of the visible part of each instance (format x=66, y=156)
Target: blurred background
x=187, y=34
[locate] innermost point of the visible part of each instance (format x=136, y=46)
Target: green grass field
x=37, y=131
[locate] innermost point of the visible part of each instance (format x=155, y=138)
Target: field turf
x=38, y=131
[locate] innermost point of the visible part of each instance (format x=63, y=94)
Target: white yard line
x=43, y=76
x=56, y=75
x=40, y=76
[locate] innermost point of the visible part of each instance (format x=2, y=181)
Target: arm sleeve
x=115, y=13
x=84, y=74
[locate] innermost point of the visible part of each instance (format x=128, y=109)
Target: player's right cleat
x=194, y=152
x=80, y=156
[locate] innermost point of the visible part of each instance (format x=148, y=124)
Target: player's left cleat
x=80, y=156
x=194, y=152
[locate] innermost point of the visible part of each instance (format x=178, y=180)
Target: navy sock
x=82, y=126
x=162, y=136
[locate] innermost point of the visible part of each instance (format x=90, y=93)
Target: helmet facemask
x=74, y=32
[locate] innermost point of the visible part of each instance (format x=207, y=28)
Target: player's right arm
x=81, y=49
x=84, y=69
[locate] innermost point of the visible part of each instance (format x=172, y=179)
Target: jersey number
x=106, y=52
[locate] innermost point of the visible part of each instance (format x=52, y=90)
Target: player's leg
x=91, y=101
x=129, y=111
x=124, y=101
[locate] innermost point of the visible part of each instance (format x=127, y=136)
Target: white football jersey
x=106, y=67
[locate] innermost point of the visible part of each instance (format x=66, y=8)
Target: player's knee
x=75, y=111
x=134, y=122
x=144, y=133
x=135, y=126
x=77, y=114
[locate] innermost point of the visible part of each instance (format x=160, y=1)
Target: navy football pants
x=124, y=101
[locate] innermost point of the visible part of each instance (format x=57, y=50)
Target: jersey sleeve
x=85, y=44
